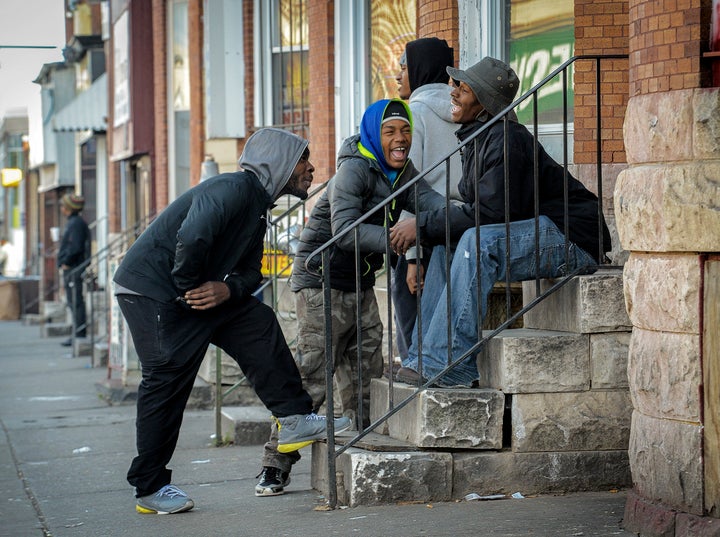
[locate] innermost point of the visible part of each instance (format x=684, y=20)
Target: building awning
x=87, y=112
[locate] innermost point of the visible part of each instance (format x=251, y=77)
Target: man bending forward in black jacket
x=188, y=281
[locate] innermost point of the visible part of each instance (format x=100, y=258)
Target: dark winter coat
x=483, y=159
x=75, y=243
x=214, y=231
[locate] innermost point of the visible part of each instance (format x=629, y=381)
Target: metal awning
x=87, y=112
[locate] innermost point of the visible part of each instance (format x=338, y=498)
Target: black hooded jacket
x=215, y=231
x=427, y=59
x=484, y=170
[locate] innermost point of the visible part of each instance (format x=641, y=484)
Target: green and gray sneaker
x=166, y=501
x=300, y=430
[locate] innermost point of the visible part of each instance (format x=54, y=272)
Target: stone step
x=54, y=311
x=33, y=319
x=246, y=425
x=440, y=418
x=55, y=329
x=596, y=420
x=587, y=304
x=371, y=477
x=535, y=361
x=527, y=360
x=100, y=354
x=117, y=391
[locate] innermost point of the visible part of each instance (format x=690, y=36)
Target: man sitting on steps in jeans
x=481, y=92
x=187, y=282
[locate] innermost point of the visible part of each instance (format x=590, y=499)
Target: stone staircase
x=552, y=415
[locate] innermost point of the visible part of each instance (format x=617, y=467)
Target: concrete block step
x=440, y=418
x=82, y=347
x=33, y=319
x=246, y=425
x=366, y=477
x=54, y=311
x=506, y=472
x=100, y=354
x=371, y=477
x=116, y=391
x=587, y=304
x=55, y=329
x=535, y=361
x=595, y=420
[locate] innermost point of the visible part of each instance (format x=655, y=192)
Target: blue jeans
x=464, y=272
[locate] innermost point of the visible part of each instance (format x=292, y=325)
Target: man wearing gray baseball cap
x=482, y=92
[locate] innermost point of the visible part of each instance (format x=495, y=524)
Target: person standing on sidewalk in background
x=72, y=256
x=480, y=93
x=371, y=166
x=187, y=282
x=423, y=82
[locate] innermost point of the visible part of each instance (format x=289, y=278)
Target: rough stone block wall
x=666, y=202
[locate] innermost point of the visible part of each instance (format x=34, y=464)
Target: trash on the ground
x=202, y=461
x=473, y=496
x=83, y=449
x=517, y=496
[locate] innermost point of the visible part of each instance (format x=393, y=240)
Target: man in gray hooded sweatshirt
x=423, y=82
x=188, y=281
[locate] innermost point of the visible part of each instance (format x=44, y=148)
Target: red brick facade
x=322, y=88
x=665, y=39
x=160, y=76
x=439, y=18
x=601, y=27
x=197, y=101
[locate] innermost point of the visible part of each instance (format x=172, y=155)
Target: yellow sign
x=11, y=176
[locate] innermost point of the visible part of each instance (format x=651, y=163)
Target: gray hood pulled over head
x=272, y=154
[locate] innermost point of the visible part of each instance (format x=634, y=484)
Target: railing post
x=329, y=363
x=218, y=396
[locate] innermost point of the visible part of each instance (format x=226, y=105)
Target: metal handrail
x=324, y=249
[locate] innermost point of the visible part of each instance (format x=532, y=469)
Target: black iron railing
x=511, y=316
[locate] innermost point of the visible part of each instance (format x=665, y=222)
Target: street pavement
x=64, y=453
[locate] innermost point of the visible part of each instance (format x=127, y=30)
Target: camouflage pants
x=310, y=356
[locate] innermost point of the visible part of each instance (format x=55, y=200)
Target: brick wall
x=248, y=42
x=439, y=18
x=665, y=38
x=197, y=93
x=160, y=74
x=601, y=27
x=322, y=88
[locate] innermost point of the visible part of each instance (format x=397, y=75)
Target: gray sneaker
x=168, y=500
x=300, y=430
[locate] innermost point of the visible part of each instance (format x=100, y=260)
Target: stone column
x=667, y=208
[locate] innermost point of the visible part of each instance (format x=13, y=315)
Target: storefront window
x=541, y=38
x=179, y=132
x=282, y=90
x=393, y=25
x=290, y=62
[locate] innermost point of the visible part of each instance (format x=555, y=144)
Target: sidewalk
x=64, y=454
